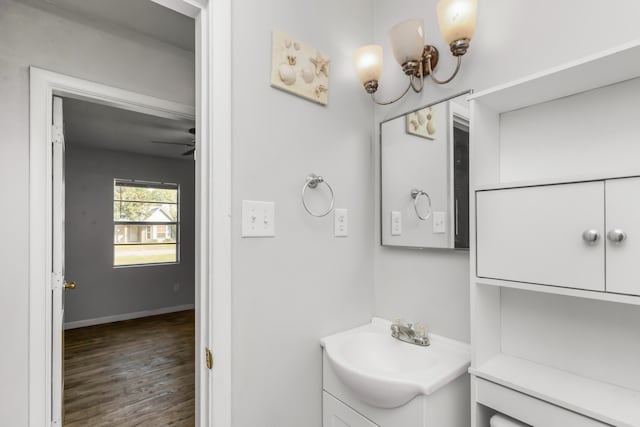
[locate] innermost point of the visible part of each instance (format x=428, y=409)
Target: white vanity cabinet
x=337, y=414
x=557, y=235
x=535, y=235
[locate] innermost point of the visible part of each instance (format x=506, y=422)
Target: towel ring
x=415, y=194
x=312, y=182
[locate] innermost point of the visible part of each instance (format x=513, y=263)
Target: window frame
x=146, y=184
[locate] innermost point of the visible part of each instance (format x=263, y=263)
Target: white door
x=623, y=235
x=59, y=283
x=537, y=235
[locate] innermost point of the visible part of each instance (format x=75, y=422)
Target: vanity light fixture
x=457, y=21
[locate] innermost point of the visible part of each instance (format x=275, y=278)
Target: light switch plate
x=340, y=222
x=396, y=223
x=258, y=219
x=439, y=222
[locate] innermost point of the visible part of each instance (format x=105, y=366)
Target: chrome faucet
x=409, y=333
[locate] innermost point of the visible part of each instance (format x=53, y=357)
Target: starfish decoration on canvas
x=321, y=63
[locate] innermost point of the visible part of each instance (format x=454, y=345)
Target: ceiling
x=134, y=16
x=88, y=124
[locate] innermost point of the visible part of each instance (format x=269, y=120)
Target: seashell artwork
x=307, y=74
x=321, y=63
x=422, y=123
x=320, y=90
x=299, y=68
x=287, y=74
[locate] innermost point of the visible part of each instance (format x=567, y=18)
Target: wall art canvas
x=299, y=68
x=422, y=123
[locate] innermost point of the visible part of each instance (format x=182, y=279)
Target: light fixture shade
x=368, y=63
x=407, y=40
x=457, y=19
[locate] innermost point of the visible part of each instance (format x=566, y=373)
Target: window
x=146, y=222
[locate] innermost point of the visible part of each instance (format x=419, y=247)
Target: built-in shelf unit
x=557, y=382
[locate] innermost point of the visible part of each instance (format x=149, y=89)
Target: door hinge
x=56, y=281
x=57, y=134
x=208, y=358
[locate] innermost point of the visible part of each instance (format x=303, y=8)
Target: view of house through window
x=145, y=222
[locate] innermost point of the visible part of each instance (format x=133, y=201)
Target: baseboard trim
x=126, y=316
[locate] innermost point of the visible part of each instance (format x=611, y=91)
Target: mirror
x=424, y=170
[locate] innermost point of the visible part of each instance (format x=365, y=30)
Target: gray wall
x=290, y=290
x=513, y=39
x=30, y=36
x=103, y=290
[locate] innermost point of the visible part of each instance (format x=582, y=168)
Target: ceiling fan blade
x=189, y=152
x=184, y=144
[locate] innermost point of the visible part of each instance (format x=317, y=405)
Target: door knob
x=616, y=235
x=69, y=285
x=590, y=236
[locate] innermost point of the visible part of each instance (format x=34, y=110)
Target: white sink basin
x=385, y=372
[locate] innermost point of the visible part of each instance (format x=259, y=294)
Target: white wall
x=303, y=284
x=588, y=134
x=513, y=39
x=30, y=36
x=103, y=290
x=591, y=338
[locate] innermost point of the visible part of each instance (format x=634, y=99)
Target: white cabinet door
x=337, y=414
x=535, y=235
x=623, y=222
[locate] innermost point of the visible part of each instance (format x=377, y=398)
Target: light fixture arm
x=412, y=79
x=441, y=82
x=373, y=95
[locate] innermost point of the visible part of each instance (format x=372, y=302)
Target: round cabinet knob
x=591, y=236
x=616, y=235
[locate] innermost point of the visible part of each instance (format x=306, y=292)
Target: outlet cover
x=340, y=223
x=396, y=223
x=439, y=222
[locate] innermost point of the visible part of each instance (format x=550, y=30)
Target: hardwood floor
x=133, y=373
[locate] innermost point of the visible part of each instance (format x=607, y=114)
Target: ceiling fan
x=191, y=145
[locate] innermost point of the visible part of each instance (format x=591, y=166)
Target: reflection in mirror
x=424, y=161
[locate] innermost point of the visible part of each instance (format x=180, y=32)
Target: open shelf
x=558, y=290
x=601, y=401
x=605, y=68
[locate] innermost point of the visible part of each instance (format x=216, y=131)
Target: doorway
x=213, y=207
x=129, y=241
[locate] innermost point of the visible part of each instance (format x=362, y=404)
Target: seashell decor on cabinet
x=299, y=68
x=422, y=123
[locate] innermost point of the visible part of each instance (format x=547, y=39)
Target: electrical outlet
x=439, y=223
x=340, y=223
x=396, y=223
x=258, y=219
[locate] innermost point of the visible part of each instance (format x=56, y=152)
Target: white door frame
x=213, y=223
